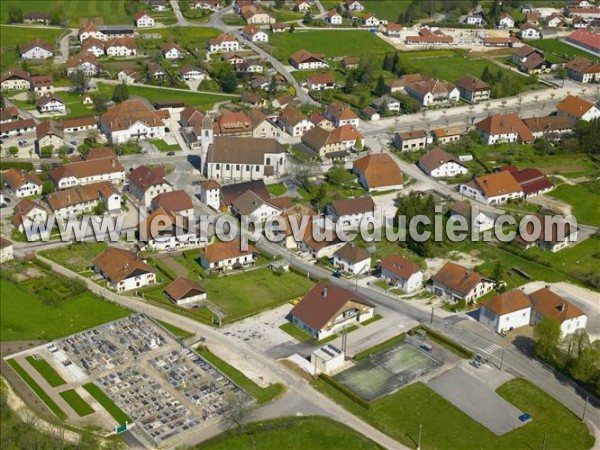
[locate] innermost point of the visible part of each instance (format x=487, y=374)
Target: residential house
x=49, y=133
x=176, y=203
x=473, y=90
x=377, y=172
x=324, y=143
x=98, y=165
x=262, y=126
x=155, y=72
x=386, y=103
x=545, y=303
x=401, y=273
x=492, y=189
x=576, y=108
x=210, y=194
x=84, y=62
x=532, y=181
x=438, y=163
x=6, y=250
x=255, y=15
x=354, y=6
x=49, y=103
x=412, y=140
x=260, y=159
x=132, y=119
x=583, y=70
x=211, y=5
x=189, y=73
x=21, y=184
x=294, y=122
x=302, y=6
x=457, y=283
x=555, y=233
x=351, y=211
x=146, y=183
x=172, y=51
x=393, y=30
x=506, y=311
x=280, y=27
x=321, y=82
x=529, y=31
x=499, y=128
x=255, y=34
x=555, y=20
x=474, y=20
x=9, y=114
x=252, y=208
x=352, y=259
x=549, y=126
x=223, y=43
x=341, y=114
x=80, y=200
x=164, y=231
x=123, y=269
x=478, y=220
x=350, y=62
x=535, y=63
x=15, y=79
x=143, y=19
x=349, y=136
x=232, y=123
x=40, y=18
x=30, y=218
x=506, y=21
x=428, y=36
x=121, y=46
x=370, y=20
x=226, y=256
x=328, y=308
x=444, y=136
x=431, y=92
x=319, y=120
x=36, y=49
x=42, y=85
x=305, y=60
x=333, y=17
x=185, y=292
x=77, y=124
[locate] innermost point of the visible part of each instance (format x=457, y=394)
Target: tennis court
x=385, y=372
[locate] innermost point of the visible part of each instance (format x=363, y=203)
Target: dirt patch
x=174, y=266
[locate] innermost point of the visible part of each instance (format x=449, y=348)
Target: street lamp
x=420, y=432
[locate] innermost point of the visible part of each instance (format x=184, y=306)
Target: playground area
x=383, y=373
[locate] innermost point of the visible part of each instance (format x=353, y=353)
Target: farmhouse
x=17, y=126
x=401, y=273
x=123, y=269
x=121, y=46
x=583, y=70
x=532, y=181
x=80, y=200
x=549, y=126
x=15, y=79
x=185, y=292
x=328, y=308
x=36, y=49
x=457, y=283
x=133, y=119
x=305, y=60
x=225, y=256
x=438, y=163
x=428, y=36
x=352, y=259
x=9, y=114
x=378, y=172
x=22, y=184
x=49, y=133
x=492, y=189
x=98, y=165
x=586, y=39
x=499, y=128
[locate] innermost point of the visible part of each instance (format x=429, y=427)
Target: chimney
x=113, y=163
x=324, y=293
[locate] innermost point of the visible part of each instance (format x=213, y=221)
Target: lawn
x=262, y=395
x=277, y=189
x=79, y=405
x=72, y=100
x=585, y=203
x=111, y=11
x=175, y=331
x=50, y=321
x=559, y=48
x=293, y=433
x=162, y=146
x=154, y=95
x=107, y=403
x=191, y=37
x=47, y=371
x=12, y=37
x=253, y=291
x=295, y=332
x=386, y=9
x=331, y=43
x=76, y=257
x=399, y=415
x=37, y=389
x=284, y=15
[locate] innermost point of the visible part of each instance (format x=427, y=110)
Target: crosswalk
x=490, y=349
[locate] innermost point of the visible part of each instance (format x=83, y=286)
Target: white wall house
x=351, y=259
x=352, y=210
x=22, y=184
x=506, y=311
x=37, y=52
x=455, y=282
x=123, y=270
x=210, y=194
x=224, y=256
x=401, y=273
x=144, y=20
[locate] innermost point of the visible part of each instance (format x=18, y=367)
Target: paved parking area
x=477, y=399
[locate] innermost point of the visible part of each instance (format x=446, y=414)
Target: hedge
x=446, y=342
x=380, y=347
x=345, y=390
x=43, y=264
x=4, y=165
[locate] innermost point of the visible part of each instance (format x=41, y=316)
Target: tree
x=46, y=152
x=586, y=367
x=562, y=73
x=338, y=175
x=279, y=4
x=2, y=100
x=380, y=87
x=497, y=276
x=57, y=17
x=121, y=93
x=350, y=84
x=229, y=82
x=547, y=335
x=13, y=151
x=292, y=28
x=487, y=75
x=80, y=82
x=15, y=14
x=100, y=102
x=307, y=18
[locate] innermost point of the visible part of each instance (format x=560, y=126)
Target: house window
x=226, y=166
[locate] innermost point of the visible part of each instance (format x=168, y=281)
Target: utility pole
x=420, y=432
x=502, y=357
x=431, y=318
x=585, y=407
x=544, y=443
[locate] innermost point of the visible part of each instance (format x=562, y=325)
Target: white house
x=185, y=292
x=401, y=273
x=457, y=283
x=253, y=208
x=481, y=221
x=351, y=211
x=133, y=119
x=321, y=82
x=492, y=189
x=255, y=34
x=294, y=122
x=371, y=21
x=224, y=256
x=576, y=108
x=15, y=79
x=165, y=231
x=36, y=49
x=474, y=20
x=498, y=128
x=506, y=311
x=84, y=62
x=529, y=31
x=128, y=76
x=378, y=172
x=506, y=21
x=210, y=194
x=544, y=303
x=344, y=308
x=123, y=269
x=22, y=184
x=354, y=5
x=30, y=218
x=80, y=200
x=49, y=103
x=352, y=259
x=305, y=60
x=341, y=114
x=146, y=183
x=334, y=18
x=143, y=20
x=188, y=73
x=223, y=43
x=6, y=250
x=120, y=47
x=98, y=165
x=172, y=51
x=438, y=163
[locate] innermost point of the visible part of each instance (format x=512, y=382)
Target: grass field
x=76, y=257
x=46, y=371
x=446, y=427
x=107, y=403
x=262, y=395
x=176, y=331
x=331, y=43
x=559, y=48
x=277, y=189
x=162, y=146
x=295, y=332
x=200, y=100
x=386, y=9
x=112, y=11
x=72, y=100
x=12, y=37
x=51, y=404
x=47, y=322
x=293, y=433
x=586, y=204
x=79, y=405
x=194, y=37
